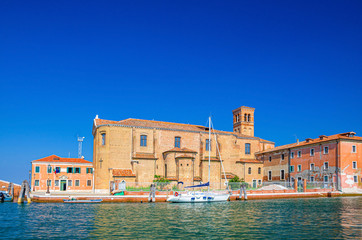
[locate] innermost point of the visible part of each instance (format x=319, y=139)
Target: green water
x=322, y=218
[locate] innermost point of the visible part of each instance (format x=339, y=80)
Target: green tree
x=161, y=182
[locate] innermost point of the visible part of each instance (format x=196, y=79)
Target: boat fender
x=176, y=194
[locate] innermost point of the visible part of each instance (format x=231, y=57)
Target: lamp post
x=49, y=167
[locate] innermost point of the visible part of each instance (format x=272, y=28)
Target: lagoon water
x=319, y=218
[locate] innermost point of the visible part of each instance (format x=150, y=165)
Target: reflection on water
x=292, y=218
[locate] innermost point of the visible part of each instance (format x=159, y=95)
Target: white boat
x=6, y=197
x=198, y=196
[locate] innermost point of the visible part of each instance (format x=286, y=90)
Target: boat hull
x=198, y=198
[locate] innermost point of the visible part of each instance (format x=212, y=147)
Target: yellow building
x=135, y=150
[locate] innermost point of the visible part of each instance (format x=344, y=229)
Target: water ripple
x=322, y=218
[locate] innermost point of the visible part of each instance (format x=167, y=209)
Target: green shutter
x=79, y=169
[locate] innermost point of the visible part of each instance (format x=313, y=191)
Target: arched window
x=259, y=170
x=245, y=116
x=248, y=117
x=249, y=170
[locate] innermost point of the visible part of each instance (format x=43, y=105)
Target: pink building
x=335, y=159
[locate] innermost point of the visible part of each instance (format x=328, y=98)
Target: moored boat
x=200, y=196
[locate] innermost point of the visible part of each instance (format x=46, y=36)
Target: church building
x=135, y=150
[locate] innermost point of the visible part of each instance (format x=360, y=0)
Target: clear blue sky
x=299, y=63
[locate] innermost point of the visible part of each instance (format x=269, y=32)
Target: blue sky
x=299, y=63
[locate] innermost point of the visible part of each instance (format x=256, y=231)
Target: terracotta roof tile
x=248, y=161
x=55, y=158
x=184, y=156
x=172, y=178
x=123, y=173
x=197, y=179
x=144, y=156
x=211, y=159
x=167, y=125
x=313, y=141
x=184, y=150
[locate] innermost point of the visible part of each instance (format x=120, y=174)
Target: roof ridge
x=157, y=121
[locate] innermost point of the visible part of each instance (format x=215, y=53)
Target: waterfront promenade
x=142, y=197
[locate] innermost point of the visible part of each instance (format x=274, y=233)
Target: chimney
x=297, y=141
x=321, y=137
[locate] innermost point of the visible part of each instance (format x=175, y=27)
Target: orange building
x=335, y=160
x=61, y=174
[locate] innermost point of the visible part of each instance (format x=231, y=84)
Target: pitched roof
x=248, y=161
x=310, y=141
x=123, y=173
x=184, y=150
x=55, y=158
x=144, y=156
x=166, y=125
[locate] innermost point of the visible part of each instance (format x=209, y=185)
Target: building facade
x=61, y=174
x=136, y=150
x=332, y=159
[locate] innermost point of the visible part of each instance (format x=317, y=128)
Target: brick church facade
x=135, y=150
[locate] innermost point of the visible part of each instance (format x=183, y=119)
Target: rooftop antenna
x=80, y=141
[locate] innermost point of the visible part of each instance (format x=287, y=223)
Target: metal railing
x=216, y=186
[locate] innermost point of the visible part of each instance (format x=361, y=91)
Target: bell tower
x=243, y=120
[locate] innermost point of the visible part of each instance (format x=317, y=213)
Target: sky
x=298, y=63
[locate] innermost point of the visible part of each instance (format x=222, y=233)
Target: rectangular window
x=325, y=165
x=49, y=183
x=354, y=165
x=70, y=183
x=49, y=169
x=56, y=183
x=208, y=147
x=77, y=183
x=312, y=152
x=89, y=170
x=311, y=179
x=292, y=155
x=291, y=168
x=177, y=142
x=77, y=170
x=249, y=170
x=355, y=179
x=325, y=179
x=259, y=170
x=69, y=170
x=259, y=182
x=354, y=149
x=37, y=169
x=247, y=148
x=282, y=156
x=57, y=169
x=282, y=175
x=325, y=150
x=89, y=183
x=269, y=175
x=299, y=168
x=103, y=138
x=270, y=158
x=312, y=166
x=299, y=154
x=36, y=183
x=143, y=141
